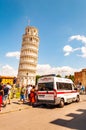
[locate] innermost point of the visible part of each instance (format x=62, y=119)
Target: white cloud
x=83, y=51
x=79, y=38
x=68, y=49
x=47, y=69
x=41, y=70
x=8, y=71
x=13, y=54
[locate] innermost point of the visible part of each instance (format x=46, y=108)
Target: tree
x=66, y=76
x=58, y=75
x=37, y=77
x=70, y=77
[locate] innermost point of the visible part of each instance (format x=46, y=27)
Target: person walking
x=5, y=96
x=32, y=96
x=13, y=91
x=28, y=92
x=22, y=93
x=9, y=92
x=1, y=95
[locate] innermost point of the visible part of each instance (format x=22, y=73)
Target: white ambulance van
x=54, y=90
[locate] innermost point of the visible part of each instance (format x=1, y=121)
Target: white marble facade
x=28, y=56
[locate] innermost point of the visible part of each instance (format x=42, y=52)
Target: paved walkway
x=14, y=106
x=17, y=106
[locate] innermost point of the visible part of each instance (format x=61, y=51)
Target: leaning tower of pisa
x=28, y=56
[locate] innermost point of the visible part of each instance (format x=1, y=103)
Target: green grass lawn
x=17, y=93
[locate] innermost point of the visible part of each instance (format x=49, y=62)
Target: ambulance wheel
x=61, y=103
x=77, y=98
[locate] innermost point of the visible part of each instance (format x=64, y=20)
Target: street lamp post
x=27, y=78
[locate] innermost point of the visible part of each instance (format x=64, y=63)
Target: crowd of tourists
x=28, y=93
x=8, y=92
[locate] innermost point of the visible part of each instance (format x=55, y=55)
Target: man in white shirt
x=28, y=91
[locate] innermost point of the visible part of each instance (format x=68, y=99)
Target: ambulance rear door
x=46, y=90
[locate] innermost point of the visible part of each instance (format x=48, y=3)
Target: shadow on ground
x=78, y=121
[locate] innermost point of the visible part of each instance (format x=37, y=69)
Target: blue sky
x=62, y=32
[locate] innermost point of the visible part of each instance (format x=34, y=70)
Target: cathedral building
x=28, y=56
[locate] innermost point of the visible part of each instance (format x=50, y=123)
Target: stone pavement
x=15, y=106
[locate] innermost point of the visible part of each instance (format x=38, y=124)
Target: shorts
x=5, y=97
x=22, y=96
